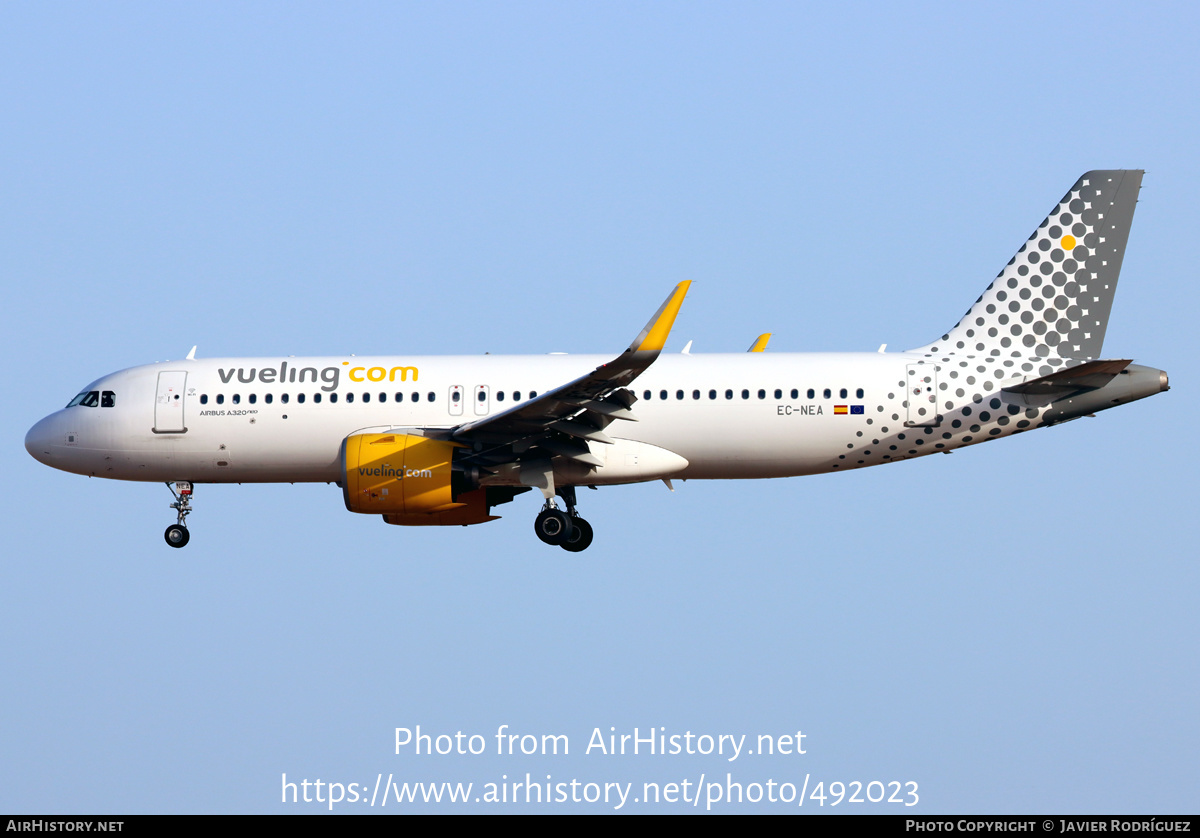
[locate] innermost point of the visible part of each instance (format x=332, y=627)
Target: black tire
x=176, y=535
x=552, y=526
x=580, y=538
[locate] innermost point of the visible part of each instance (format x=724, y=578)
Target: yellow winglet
x=760, y=345
x=654, y=336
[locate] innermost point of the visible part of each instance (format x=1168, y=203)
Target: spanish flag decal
x=840, y=410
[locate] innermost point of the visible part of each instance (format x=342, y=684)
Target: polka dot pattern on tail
x=1065, y=276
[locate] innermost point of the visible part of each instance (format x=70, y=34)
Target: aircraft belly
x=767, y=446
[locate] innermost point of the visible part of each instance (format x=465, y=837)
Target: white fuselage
x=238, y=427
x=745, y=415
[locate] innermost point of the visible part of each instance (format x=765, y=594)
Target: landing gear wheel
x=580, y=537
x=177, y=534
x=552, y=526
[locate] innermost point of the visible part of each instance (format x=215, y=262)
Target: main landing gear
x=563, y=529
x=177, y=534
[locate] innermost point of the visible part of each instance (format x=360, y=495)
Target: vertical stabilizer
x=1053, y=298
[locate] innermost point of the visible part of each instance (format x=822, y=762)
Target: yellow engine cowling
x=398, y=474
x=470, y=508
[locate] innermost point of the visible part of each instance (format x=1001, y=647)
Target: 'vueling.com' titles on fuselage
x=480, y=430
x=329, y=375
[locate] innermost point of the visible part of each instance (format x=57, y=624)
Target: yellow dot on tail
x=1068, y=242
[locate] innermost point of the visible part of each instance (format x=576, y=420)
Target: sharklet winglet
x=654, y=335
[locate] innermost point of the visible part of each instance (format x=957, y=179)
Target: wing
x=562, y=421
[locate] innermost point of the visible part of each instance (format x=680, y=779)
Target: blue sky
x=1013, y=628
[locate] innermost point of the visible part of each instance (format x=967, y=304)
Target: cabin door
x=168, y=403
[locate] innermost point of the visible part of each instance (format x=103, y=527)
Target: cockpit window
x=88, y=398
x=108, y=399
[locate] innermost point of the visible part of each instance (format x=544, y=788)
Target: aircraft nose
x=40, y=440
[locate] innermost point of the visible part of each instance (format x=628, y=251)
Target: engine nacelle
x=468, y=508
x=397, y=474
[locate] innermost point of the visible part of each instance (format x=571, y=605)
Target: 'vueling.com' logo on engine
x=329, y=375
x=399, y=473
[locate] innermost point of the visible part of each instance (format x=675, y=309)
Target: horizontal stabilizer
x=1090, y=376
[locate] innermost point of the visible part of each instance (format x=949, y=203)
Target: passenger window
x=268, y=398
x=858, y=393
x=812, y=394
x=712, y=394
x=108, y=398
x=533, y=394
x=204, y=398
x=499, y=395
x=482, y=396
x=333, y=398
x=795, y=393
x=299, y=398
x=316, y=398
x=646, y=395
x=416, y=397
x=762, y=394
x=778, y=394
x=366, y=397
x=237, y=398
x=729, y=394
x=828, y=393
x=842, y=393
x=516, y=395
x=431, y=397
x=283, y=399
x=679, y=394
x=695, y=394
x=382, y=398
x=253, y=398
x=400, y=397
x=745, y=394
x=220, y=398
x=663, y=394
x=349, y=398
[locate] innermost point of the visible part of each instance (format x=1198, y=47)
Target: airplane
x=441, y=441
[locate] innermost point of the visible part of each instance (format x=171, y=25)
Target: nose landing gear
x=563, y=529
x=177, y=534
